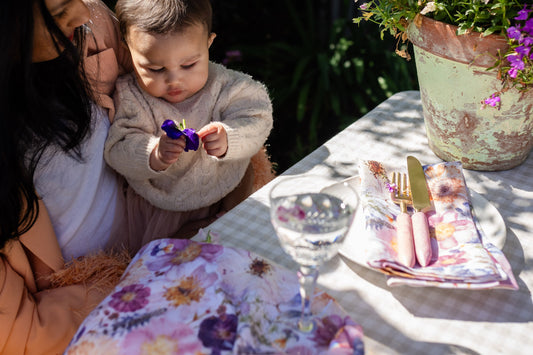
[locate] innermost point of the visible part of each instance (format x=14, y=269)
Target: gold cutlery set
x=412, y=230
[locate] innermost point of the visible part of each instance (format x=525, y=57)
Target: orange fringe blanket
x=101, y=270
x=264, y=169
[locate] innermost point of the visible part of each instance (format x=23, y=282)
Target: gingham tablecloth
x=407, y=320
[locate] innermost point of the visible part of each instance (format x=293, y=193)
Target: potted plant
x=474, y=63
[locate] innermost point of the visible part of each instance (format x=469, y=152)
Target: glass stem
x=307, y=276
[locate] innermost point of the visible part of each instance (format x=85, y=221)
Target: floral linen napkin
x=462, y=257
x=184, y=297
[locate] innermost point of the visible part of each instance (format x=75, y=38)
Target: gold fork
x=400, y=194
x=404, y=228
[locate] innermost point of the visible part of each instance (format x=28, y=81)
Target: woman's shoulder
x=103, y=22
x=105, y=34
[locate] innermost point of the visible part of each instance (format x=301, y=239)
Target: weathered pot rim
x=441, y=39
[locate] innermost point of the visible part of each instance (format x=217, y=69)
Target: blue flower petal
x=193, y=141
x=171, y=129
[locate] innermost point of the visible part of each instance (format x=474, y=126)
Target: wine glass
x=311, y=216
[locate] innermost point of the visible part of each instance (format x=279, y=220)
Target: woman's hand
x=214, y=139
x=166, y=152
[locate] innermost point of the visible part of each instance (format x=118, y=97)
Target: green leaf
x=490, y=31
x=208, y=238
x=302, y=102
x=298, y=71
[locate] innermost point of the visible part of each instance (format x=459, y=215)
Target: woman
x=57, y=197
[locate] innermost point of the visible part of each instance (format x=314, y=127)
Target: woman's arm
x=33, y=318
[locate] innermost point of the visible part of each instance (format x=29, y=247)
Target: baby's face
x=172, y=66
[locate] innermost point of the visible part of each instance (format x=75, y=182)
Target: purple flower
x=174, y=131
x=192, y=139
x=514, y=33
x=516, y=61
x=327, y=329
x=391, y=186
x=522, y=50
x=528, y=27
x=523, y=14
x=527, y=41
x=513, y=72
x=340, y=335
x=130, y=298
x=171, y=129
x=493, y=100
x=219, y=333
x=175, y=252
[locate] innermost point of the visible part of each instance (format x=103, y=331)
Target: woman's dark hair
x=41, y=105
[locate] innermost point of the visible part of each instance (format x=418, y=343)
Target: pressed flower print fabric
x=461, y=257
x=184, y=297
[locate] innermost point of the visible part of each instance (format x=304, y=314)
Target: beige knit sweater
x=196, y=180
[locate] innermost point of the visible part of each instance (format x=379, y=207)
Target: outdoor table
x=409, y=320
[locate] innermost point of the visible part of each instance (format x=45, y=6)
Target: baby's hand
x=166, y=152
x=214, y=139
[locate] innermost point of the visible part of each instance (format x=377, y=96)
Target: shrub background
x=323, y=72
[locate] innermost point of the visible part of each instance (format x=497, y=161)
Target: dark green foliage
x=323, y=71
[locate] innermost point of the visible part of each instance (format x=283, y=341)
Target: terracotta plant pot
x=453, y=83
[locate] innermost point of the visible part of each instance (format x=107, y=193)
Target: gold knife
x=421, y=203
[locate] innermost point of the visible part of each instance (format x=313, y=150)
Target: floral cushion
x=185, y=297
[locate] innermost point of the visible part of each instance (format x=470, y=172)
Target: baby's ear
x=211, y=38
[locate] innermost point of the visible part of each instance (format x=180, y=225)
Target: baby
x=173, y=79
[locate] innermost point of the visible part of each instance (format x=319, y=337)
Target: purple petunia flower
x=173, y=131
x=130, y=298
x=513, y=72
x=219, y=333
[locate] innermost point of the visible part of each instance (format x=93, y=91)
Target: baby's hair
x=163, y=16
